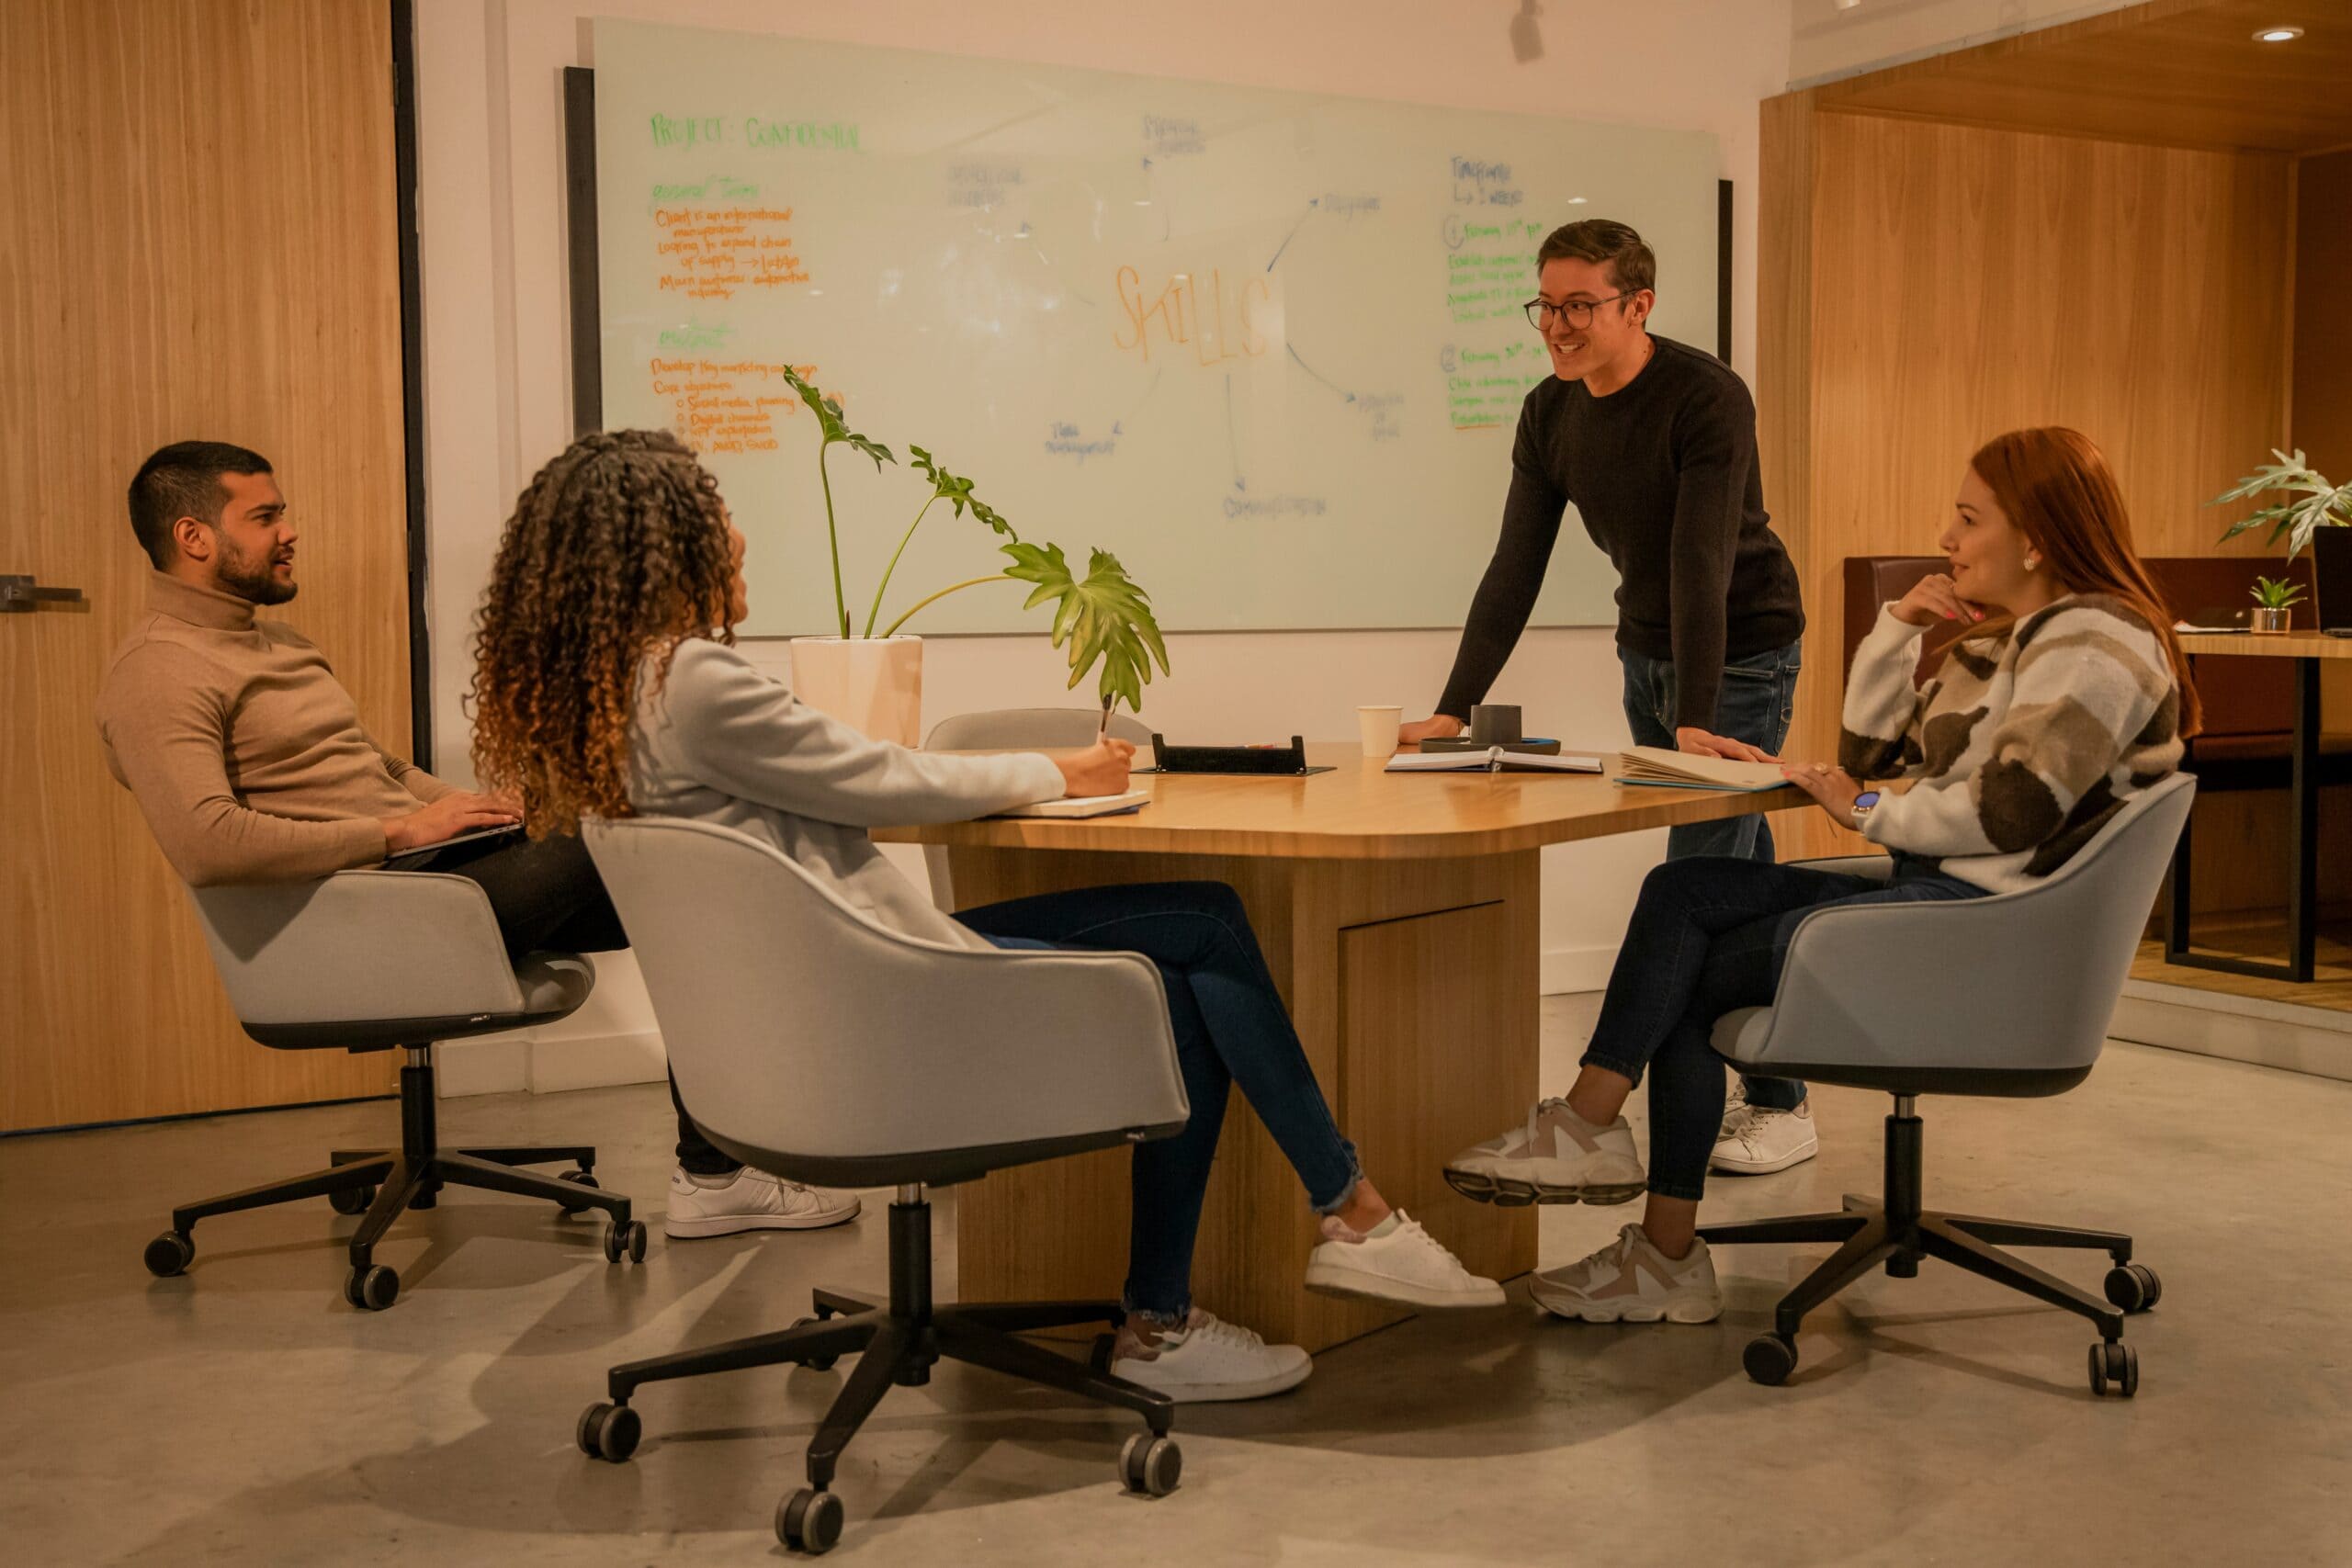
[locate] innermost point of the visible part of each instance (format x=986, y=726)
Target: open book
x=1085, y=805
x=1683, y=770
x=1494, y=760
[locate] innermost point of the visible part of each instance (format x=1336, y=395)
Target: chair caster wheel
x=817, y=1363
x=608, y=1432
x=2115, y=1369
x=371, y=1288
x=169, y=1253
x=624, y=1236
x=352, y=1200
x=578, y=1178
x=426, y=1196
x=1769, y=1359
x=809, y=1522
x=1152, y=1464
x=2133, y=1287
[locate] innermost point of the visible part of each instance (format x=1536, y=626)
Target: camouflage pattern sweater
x=2021, y=746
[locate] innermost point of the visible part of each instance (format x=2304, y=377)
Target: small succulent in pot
x=2273, y=598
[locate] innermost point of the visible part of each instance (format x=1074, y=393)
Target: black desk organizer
x=1273, y=761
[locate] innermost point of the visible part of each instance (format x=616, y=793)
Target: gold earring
x=2033, y=563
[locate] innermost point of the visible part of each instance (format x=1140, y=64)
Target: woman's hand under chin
x=1834, y=788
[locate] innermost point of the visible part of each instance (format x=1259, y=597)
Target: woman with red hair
x=2066, y=694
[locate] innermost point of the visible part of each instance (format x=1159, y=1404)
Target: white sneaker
x=1764, y=1140
x=1397, y=1260
x=1632, y=1281
x=1208, y=1360
x=1558, y=1157
x=1734, y=1107
x=750, y=1201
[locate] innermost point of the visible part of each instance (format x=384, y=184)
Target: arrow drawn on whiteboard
x=1303, y=364
x=1312, y=203
x=1233, y=443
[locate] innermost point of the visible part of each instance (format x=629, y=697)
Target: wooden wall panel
x=2322, y=407
x=201, y=242
x=1967, y=281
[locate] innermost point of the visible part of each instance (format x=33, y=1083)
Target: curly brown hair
x=618, y=549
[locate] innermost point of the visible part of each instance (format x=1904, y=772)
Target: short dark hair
x=1632, y=267
x=184, y=480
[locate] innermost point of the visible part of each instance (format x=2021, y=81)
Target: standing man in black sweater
x=1654, y=442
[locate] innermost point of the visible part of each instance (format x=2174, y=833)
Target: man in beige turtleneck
x=242, y=747
x=249, y=761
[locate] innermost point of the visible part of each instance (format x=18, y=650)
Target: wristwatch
x=1860, y=810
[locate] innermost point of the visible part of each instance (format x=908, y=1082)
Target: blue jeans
x=1709, y=936
x=1755, y=704
x=1230, y=1027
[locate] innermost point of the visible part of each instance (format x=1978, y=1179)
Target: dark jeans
x=1755, y=704
x=1709, y=936
x=546, y=894
x=1230, y=1027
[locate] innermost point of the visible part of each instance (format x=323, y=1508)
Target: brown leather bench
x=2249, y=703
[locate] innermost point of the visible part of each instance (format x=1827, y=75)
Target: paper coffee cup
x=1379, y=726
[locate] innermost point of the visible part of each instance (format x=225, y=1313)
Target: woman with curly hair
x=610, y=685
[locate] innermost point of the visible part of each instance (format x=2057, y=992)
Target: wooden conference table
x=1398, y=913
x=2306, y=649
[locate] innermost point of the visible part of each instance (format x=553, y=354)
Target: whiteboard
x=1264, y=346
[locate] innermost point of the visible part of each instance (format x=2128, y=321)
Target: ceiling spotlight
x=1848, y=5
x=1526, y=42
x=2278, y=35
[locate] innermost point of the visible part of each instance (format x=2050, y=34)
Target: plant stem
x=974, y=582
x=871, y=616
x=840, y=601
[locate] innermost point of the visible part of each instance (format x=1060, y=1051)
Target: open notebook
x=1681, y=770
x=1494, y=760
x=1085, y=805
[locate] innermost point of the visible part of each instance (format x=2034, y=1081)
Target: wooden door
x=200, y=243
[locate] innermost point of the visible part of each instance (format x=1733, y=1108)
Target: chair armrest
x=944, y=1047
x=1879, y=868
x=2012, y=981
x=357, y=946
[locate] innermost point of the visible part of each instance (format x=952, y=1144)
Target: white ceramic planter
x=872, y=685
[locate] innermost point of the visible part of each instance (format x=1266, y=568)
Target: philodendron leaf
x=956, y=490
x=1105, y=617
x=831, y=426
x=2318, y=504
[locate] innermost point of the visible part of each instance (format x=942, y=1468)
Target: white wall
x=497, y=379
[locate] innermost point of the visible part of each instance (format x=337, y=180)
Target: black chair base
x=897, y=1343
x=1898, y=1232
x=382, y=1185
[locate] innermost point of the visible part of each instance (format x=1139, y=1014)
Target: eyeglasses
x=1576, y=313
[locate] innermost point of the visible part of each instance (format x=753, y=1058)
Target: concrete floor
x=244, y=1414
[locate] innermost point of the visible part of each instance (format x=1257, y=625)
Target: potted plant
x=2317, y=515
x=874, y=680
x=2272, y=597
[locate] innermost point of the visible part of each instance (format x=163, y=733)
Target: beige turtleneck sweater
x=242, y=749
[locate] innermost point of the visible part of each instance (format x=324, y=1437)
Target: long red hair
x=2056, y=486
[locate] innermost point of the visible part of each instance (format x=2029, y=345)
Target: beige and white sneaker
x=1396, y=1260
x=1556, y=1157
x=1758, y=1140
x=1631, y=1282
x=750, y=1201
x=1209, y=1360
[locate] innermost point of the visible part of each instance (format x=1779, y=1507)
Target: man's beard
x=251, y=581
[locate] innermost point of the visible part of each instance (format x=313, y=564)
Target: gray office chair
x=371, y=961
x=815, y=1043
x=1017, y=729
x=2009, y=995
